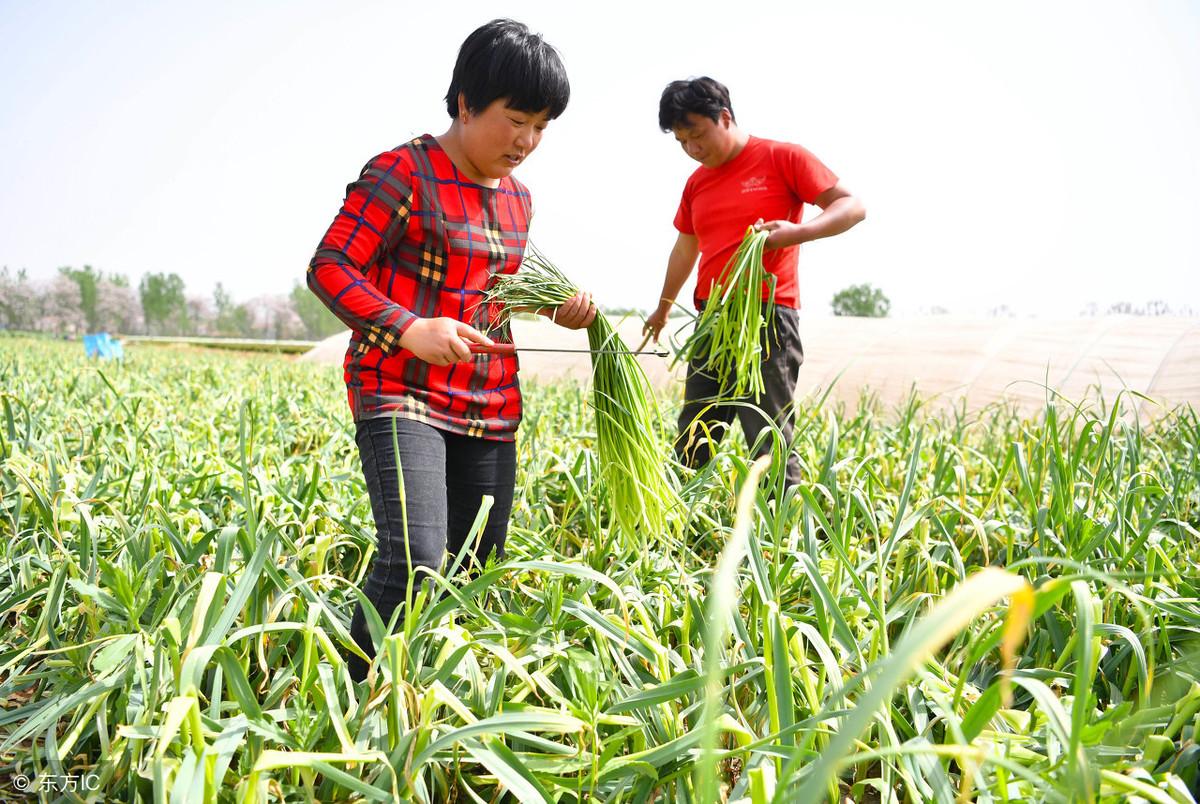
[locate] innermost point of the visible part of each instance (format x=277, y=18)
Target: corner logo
x=755, y=184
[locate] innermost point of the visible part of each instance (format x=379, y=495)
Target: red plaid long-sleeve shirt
x=415, y=239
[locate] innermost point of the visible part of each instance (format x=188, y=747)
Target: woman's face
x=498, y=138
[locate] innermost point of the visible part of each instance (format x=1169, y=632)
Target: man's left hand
x=783, y=233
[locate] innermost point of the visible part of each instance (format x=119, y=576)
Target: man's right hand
x=442, y=341
x=657, y=320
x=679, y=268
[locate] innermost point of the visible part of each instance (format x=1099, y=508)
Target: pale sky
x=1041, y=155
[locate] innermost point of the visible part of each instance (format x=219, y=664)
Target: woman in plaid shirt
x=406, y=264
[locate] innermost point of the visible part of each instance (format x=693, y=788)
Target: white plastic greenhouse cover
x=945, y=357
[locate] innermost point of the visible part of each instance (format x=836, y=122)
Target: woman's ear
x=463, y=111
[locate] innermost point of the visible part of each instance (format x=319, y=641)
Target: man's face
x=708, y=142
x=500, y=137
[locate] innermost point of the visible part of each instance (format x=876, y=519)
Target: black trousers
x=445, y=477
x=702, y=420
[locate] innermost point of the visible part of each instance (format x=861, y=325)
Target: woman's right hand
x=442, y=341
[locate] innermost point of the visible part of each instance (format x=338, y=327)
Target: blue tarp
x=102, y=346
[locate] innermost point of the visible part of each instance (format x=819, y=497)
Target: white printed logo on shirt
x=754, y=184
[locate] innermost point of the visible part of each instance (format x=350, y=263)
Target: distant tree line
x=81, y=300
x=1154, y=307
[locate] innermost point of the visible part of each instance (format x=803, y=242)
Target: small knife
x=509, y=348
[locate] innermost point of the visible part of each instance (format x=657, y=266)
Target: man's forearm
x=678, y=271
x=679, y=268
x=840, y=216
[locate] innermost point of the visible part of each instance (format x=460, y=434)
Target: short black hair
x=703, y=96
x=504, y=60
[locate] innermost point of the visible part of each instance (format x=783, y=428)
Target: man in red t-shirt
x=742, y=181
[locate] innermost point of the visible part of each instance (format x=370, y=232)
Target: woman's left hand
x=576, y=312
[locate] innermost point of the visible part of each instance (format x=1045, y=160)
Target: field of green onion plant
x=182, y=537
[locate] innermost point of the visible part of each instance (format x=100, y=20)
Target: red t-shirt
x=767, y=179
x=414, y=238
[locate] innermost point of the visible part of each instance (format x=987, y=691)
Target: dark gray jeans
x=445, y=477
x=780, y=371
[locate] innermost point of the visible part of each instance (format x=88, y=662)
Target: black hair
x=702, y=96
x=504, y=60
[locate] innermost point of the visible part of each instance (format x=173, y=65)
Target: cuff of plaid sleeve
x=405, y=320
x=386, y=337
